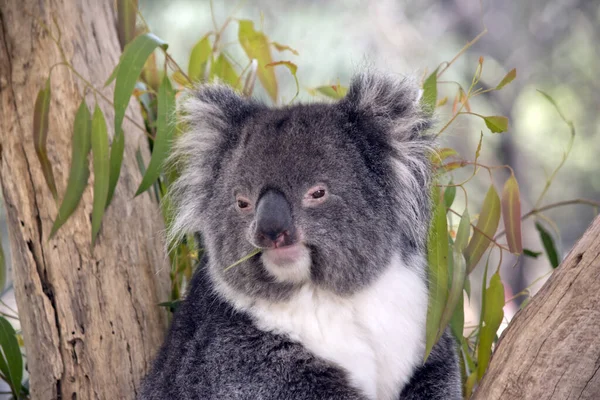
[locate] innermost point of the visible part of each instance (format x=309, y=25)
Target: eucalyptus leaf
x=40, y=135
x=79, y=172
x=101, y=170
x=164, y=135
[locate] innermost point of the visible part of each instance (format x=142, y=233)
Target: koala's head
x=329, y=192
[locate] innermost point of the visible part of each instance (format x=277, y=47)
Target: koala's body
x=337, y=198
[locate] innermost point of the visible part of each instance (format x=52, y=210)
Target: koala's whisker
x=245, y=258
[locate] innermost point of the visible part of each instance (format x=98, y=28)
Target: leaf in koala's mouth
x=241, y=260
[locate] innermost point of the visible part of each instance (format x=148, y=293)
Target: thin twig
x=462, y=51
x=553, y=205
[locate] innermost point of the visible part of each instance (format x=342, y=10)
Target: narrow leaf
x=282, y=47
x=101, y=170
x=333, y=91
x=2, y=267
x=164, y=135
x=549, y=245
x=492, y=318
x=455, y=294
x=224, y=71
x=12, y=359
x=437, y=257
x=256, y=45
x=129, y=69
x=511, y=214
x=451, y=166
x=40, y=135
x=457, y=323
x=116, y=160
x=126, y=17
x=245, y=258
x=198, y=59
x=440, y=155
x=181, y=79
x=512, y=74
x=463, y=232
x=531, y=253
x=293, y=68
x=429, y=97
x=486, y=228
x=449, y=195
x=79, y=172
x=496, y=123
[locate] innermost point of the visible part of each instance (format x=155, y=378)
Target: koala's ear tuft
x=214, y=106
x=391, y=101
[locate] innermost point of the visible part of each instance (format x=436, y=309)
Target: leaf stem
x=462, y=51
x=535, y=211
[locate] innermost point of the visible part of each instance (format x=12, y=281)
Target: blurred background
x=553, y=44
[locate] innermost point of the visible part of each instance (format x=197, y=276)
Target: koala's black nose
x=274, y=223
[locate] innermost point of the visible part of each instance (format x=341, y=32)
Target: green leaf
x=2, y=267
x=492, y=318
x=486, y=228
x=223, y=70
x=333, y=91
x=512, y=74
x=126, y=17
x=40, y=135
x=437, y=257
x=293, y=68
x=116, y=160
x=198, y=59
x=463, y=232
x=171, y=305
x=449, y=195
x=256, y=45
x=241, y=260
x=113, y=75
x=496, y=123
x=11, y=360
x=79, y=172
x=129, y=69
x=549, y=245
x=441, y=154
x=455, y=294
x=457, y=323
x=429, y=97
x=511, y=214
x=101, y=170
x=531, y=253
x=164, y=135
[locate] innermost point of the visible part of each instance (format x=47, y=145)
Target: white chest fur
x=376, y=335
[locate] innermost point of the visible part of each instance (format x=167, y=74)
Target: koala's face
x=328, y=192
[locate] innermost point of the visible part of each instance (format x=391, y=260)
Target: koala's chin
x=289, y=264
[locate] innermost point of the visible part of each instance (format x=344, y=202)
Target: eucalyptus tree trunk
x=551, y=349
x=89, y=317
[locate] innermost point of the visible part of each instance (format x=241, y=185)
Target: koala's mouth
x=285, y=255
x=288, y=264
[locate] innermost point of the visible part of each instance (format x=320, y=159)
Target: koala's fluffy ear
x=214, y=116
x=392, y=102
x=214, y=108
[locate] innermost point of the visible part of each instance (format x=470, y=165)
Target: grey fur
x=371, y=152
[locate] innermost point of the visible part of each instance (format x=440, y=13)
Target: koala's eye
x=243, y=204
x=315, y=195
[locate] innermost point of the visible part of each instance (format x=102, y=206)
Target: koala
x=336, y=197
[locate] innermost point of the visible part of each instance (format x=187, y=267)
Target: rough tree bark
x=551, y=349
x=89, y=318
